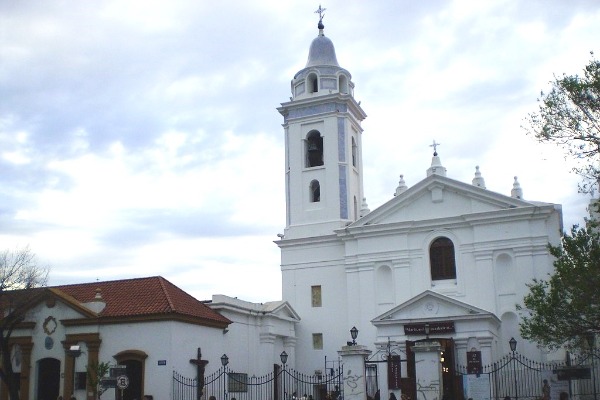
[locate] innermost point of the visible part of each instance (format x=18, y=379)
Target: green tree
x=20, y=275
x=95, y=373
x=564, y=309
x=569, y=115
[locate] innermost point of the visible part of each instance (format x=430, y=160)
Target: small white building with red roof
x=148, y=325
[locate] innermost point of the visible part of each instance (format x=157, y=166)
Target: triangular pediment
x=432, y=306
x=438, y=197
x=32, y=302
x=281, y=309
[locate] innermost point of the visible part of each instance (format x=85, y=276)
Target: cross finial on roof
x=434, y=145
x=321, y=12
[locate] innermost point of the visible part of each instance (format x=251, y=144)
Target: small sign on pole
x=122, y=382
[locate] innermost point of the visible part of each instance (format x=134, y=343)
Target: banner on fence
x=394, y=372
x=476, y=387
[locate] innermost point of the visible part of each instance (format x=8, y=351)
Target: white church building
x=441, y=260
x=443, y=256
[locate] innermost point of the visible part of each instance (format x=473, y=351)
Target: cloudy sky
x=140, y=138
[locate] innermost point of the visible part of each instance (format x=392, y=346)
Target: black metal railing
x=281, y=384
x=516, y=377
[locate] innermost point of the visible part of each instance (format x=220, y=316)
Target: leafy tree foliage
x=95, y=373
x=569, y=115
x=565, y=309
x=20, y=275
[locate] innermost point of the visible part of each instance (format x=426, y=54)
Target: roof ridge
x=141, y=278
x=162, y=281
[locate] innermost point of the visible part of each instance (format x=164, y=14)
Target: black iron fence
x=516, y=377
x=281, y=384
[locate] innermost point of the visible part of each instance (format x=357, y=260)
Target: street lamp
x=283, y=357
x=591, y=340
x=354, y=335
x=513, y=344
x=513, y=347
x=427, y=330
x=224, y=362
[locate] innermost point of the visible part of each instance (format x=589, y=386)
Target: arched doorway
x=134, y=361
x=134, y=373
x=48, y=382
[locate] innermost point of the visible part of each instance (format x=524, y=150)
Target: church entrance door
x=48, y=382
x=451, y=386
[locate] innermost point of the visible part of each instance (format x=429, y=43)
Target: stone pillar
x=428, y=369
x=93, y=347
x=68, y=388
x=353, y=360
x=26, y=345
x=26, y=371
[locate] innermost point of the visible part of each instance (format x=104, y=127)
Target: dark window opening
x=315, y=192
x=314, y=150
x=313, y=83
x=441, y=257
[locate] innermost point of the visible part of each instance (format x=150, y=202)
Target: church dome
x=321, y=52
x=322, y=74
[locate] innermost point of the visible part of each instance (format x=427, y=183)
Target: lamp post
x=591, y=340
x=224, y=362
x=283, y=356
x=354, y=335
x=427, y=330
x=513, y=347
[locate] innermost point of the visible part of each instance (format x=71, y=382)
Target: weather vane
x=434, y=145
x=320, y=11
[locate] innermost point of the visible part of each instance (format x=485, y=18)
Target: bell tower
x=323, y=162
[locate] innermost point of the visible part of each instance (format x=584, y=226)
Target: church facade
x=442, y=259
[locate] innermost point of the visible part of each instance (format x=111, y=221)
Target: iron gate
x=281, y=384
x=516, y=377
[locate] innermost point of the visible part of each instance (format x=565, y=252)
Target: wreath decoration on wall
x=50, y=325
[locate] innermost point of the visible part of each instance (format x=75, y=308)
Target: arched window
x=314, y=149
x=312, y=83
x=343, y=84
x=441, y=258
x=354, y=153
x=315, y=192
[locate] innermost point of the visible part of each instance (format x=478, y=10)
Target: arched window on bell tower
x=315, y=192
x=314, y=149
x=343, y=84
x=312, y=83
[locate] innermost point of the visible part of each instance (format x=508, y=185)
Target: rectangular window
x=315, y=293
x=318, y=341
x=237, y=382
x=80, y=380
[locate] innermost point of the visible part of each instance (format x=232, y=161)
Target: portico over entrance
x=430, y=334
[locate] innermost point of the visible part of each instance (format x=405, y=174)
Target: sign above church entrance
x=434, y=328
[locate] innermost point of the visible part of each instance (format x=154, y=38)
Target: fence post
x=354, y=379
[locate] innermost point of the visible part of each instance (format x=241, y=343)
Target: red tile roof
x=144, y=297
